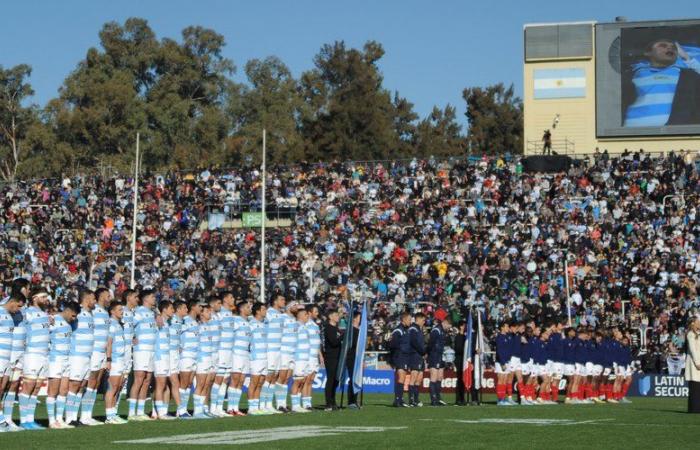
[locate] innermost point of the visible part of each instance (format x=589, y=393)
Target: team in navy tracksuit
x=400, y=354
x=416, y=359
x=597, y=365
x=436, y=365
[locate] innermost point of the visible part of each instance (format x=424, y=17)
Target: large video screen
x=648, y=78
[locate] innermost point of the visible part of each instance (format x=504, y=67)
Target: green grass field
x=646, y=423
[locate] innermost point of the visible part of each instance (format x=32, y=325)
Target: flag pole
x=132, y=284
x=262, y=228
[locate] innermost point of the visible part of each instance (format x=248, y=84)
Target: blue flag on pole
x=357, y=371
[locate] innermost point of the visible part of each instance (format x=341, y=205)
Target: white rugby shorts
x=79, y=369
x=188, y=365
x=286, y=362
x=97, y=361
x=258, y=367
x=35, y=366
x=301, y=369
x=144, y=361
x=273, y=361
x=241, y=364
x=59, y=367
x=162, y=367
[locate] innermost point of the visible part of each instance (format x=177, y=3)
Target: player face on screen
x=662, y=53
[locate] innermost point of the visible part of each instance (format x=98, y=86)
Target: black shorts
x=417, y=363
x=400, y=363
x=436, y=363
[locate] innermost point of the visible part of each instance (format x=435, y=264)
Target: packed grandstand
x=437, y=236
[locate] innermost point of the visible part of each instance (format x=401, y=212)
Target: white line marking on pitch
x=256, y=436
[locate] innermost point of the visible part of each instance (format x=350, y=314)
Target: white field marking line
x=536, y=422
x=255, y=436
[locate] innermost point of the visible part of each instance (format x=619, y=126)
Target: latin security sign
x=653, y=385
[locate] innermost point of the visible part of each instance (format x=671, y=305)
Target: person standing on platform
x=331, y=354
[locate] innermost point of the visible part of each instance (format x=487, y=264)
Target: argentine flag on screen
x=655, y=88
x=559, y=83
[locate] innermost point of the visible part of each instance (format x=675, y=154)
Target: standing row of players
x=596, y=364
x=169, y=348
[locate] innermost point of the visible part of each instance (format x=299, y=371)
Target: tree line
x=181, y=97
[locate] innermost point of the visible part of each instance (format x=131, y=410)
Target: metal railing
x=560, y=146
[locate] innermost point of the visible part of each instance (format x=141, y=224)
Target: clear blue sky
x=433, y=48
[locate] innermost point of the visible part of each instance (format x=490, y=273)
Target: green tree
x=404, y=126
x=186, y=104
x=273, y=102
x=439, y=134
x=15, y=119
x=351, y=115
x=495, y=116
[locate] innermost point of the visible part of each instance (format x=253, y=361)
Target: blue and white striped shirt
x=215, y=329
x=302, y=350
x=206, y=341
x=289, y=335
x=60, y=336
x=83, y=338
x=227, y=333
x=19, y=337
x=241, y=343
x=37, y=322
x=314, y=333
x=656, y=89
x=144, y=330
x=189, y=338
x=274, y=321
x=7, y=325
x=101, y=321
x=163, y=343
x=175, y=331
x=116, y=332
x=258, y=341
x=128, y=325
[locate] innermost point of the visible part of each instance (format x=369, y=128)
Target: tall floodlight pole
x=133, y=225
x=262, y=226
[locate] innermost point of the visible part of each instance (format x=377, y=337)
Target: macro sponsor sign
x=374, y=381
x=656, y=385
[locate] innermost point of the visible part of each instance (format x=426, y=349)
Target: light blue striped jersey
x=128, y=325
x=175, y=331
x=83, y=338
x=163, y=343
x=314, y=339
x=100, y=318
x=144, y=330
x=227, y=333
x=289, y=335
x=116, y=333
x=19, y=338
x=7, y=325
x=241, y=343
x=37, y=323
x=206, y=341
x=60, y=334
x=656, y=88
x=302, y=350
x=258, y=340
x=274, y=321
x=189, y=338
x=215, y=329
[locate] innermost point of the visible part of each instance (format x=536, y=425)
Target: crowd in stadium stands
x=434, y=236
